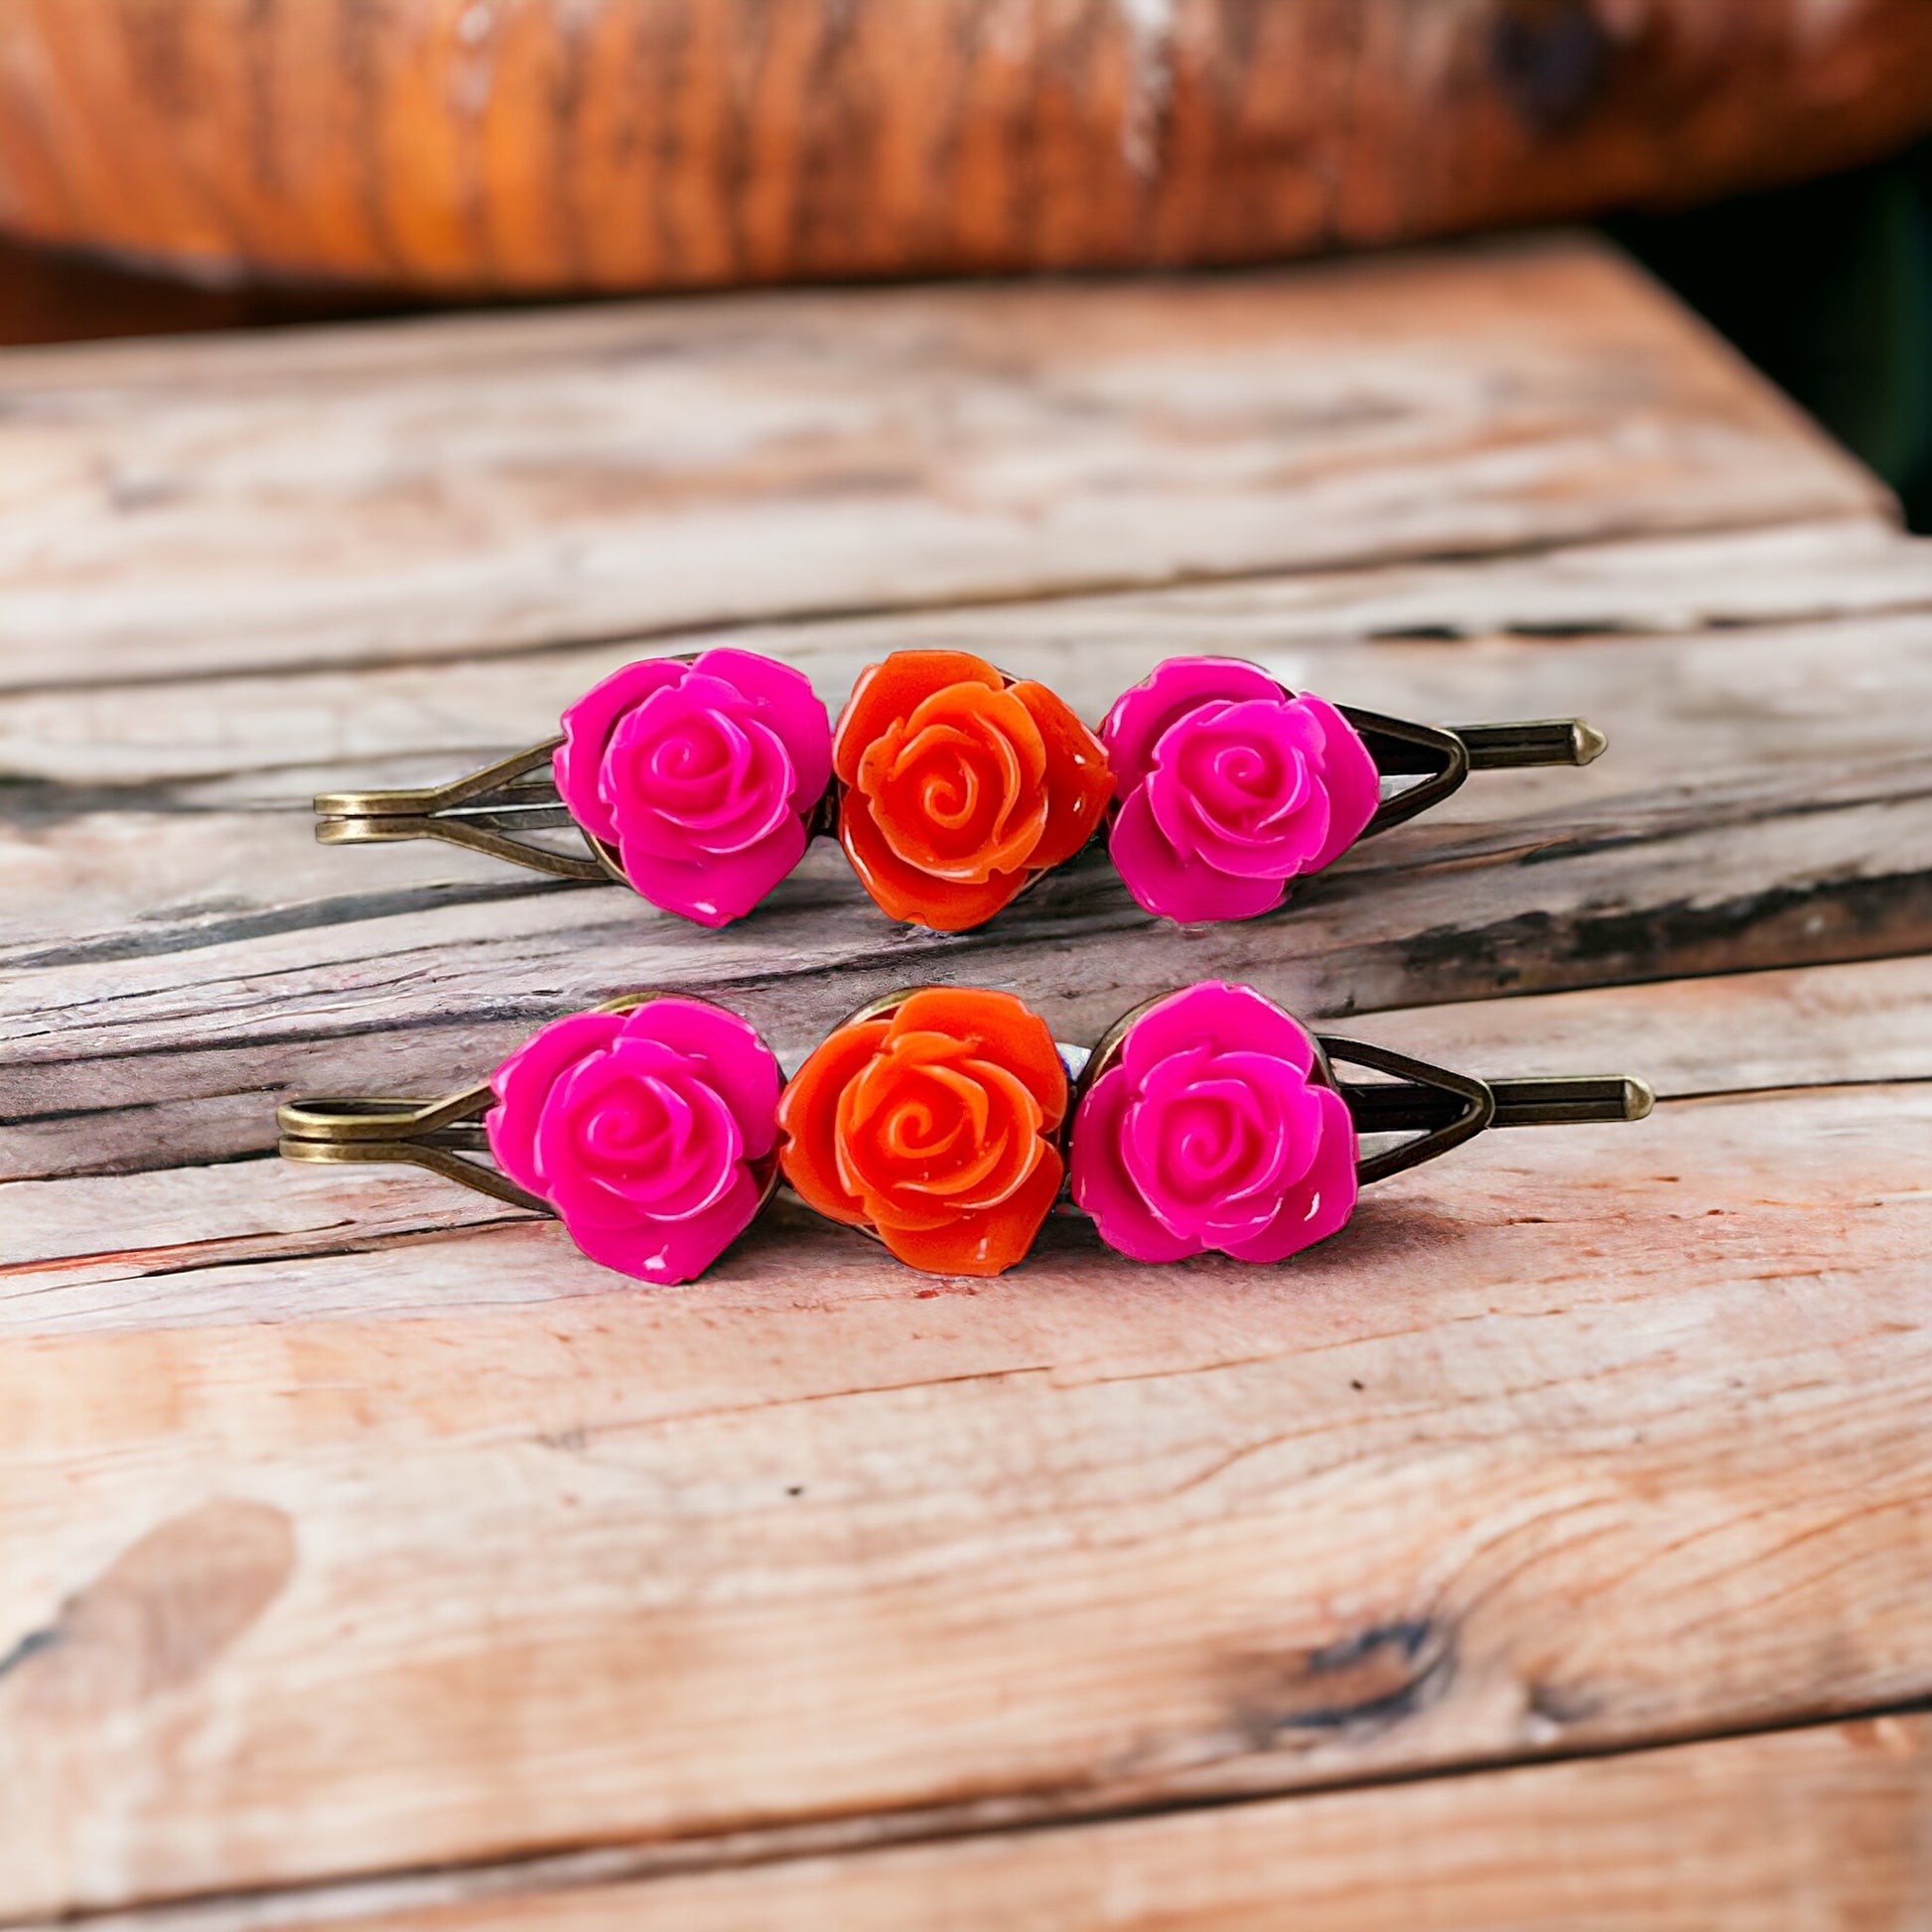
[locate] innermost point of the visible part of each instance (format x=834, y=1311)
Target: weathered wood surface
x=1595, y=1435
x=1822, y=1827
x=351, y=1529
x=629, y=143
x=453, y=486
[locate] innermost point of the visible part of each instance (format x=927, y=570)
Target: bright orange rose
x=933, y=1124
x=959, y=787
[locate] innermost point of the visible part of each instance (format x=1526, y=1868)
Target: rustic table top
x=1551, y=1548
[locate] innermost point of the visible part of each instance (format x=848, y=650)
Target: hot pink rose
x=704, y=777
x=1228, y=788
x=651, y=1132
x=1209, y=1132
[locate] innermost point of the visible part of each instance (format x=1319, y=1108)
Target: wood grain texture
x=182, y=954
x=455, y=487
x=1779, y=1832
x=670, y=143
x=1503, y=1471
x=408, y=712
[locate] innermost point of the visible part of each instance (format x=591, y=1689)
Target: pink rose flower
x=1209, y=1132
x=1228, y=788
x=652, y=1133
x=704, y=777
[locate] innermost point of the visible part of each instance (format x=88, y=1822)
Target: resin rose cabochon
x=651, y=1132
x=932, y=1123
x=1211, y=1125
x=961, y=786
x=1228, y=788
x=702, y=777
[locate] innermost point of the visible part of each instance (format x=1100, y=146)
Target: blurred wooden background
x=525, y=145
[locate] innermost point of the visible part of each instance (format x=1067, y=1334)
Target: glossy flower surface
x=960, y=788
x=649, y=1132
x=1209, y=1132
x=702, y=777
x=1230, y=786
x=934, y=1127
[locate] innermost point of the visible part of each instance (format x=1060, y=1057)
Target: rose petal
x=1247, y=830
x=975, y=1170
x=891, y=691
x=994, y=747
x=1262, y=1120
x=905, y=892
x=1102, y=1187
x=1319, y=1203
x=1141, y=715
x=998, y=1027
x=718, y=888
x=988, y=1242
x=1191, y=785
x=1283, y=852
x=792, y=709
x=1219, y=1016
x=741, y=799
x=683, y=1171
x=808, y=1119
x=1079, y=782
x=577, y=763
x=1171, y=887
x=735, y=1060
x=889, y=1182
x=1285, y=1098
x=523, y=1085
x=1350, y=777
x=671, y=1252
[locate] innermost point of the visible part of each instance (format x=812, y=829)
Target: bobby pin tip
x=1588, y=745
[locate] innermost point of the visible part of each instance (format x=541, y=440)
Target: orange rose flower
x=959, y=786
x=933, y=1124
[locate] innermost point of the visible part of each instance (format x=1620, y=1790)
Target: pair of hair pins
x=946, y=1121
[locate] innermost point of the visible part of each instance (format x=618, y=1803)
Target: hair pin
x=949, y=1123
x=952, y=786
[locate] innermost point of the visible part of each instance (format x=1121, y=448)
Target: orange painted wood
x=480, y=144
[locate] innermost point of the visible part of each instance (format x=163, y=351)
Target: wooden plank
x=183, y=954
x=1594, y=1435
x=455, y=485
x=1823, y=1826
x=191, y=1227
x=1775, y=1832
x=257, y=725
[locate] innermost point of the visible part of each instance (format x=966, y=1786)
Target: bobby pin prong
x=434, y=1134
x=478, y=812
x=1444, y=1109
